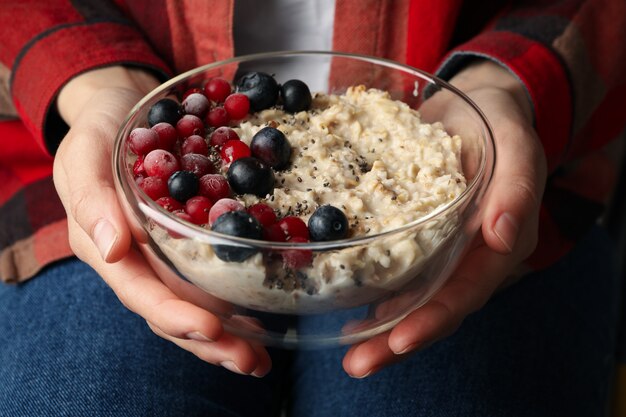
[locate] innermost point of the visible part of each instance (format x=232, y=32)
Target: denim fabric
x=543, y=347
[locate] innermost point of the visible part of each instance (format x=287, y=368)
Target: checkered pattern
x=571, y=55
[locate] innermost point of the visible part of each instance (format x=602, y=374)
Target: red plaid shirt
x=570, y=54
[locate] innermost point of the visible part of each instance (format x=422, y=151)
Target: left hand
x=509, y=224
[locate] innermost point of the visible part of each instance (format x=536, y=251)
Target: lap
x=69, y=347
x=542, y=347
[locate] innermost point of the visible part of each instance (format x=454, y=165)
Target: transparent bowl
x=355, y=288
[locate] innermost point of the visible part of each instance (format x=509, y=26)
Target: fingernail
x=365, y=375
x=506, y=229
x=198, y=336
x=406, y=349
x=104, y=236
x=259, y=374
x=230, y=365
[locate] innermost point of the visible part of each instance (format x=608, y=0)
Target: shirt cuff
x=541, y=72
x=48, y=62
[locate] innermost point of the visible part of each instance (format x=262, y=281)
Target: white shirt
x=280, y=25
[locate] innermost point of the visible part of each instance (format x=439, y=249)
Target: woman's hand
x=94, y=105
x=509, y=224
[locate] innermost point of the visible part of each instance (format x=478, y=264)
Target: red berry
x=196, y=104
x=194, y=144
x=198, y=208
x=189, y=125
x=154, y=187
x=160, y=163
x=143, y=140
x=237, y=105
x=263, y=213
x=233, y=150
x=297, y=258
x=214, y=186
x=274, y=233
x=167, y=135
x=196, y=163
x=138, y=168
x=217, y=89
x=169, y=204
x=217, y=117
x=222, y=206
x=221, y=135
x=191, y=91
x=293, y=226
x=186, y=217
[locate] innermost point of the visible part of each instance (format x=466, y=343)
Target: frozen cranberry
x=297, y=258
x=196, y=104
x=221, y=135
x=194, y=90
x=194, y=144
x=237, y=105
x=217, y=89
x=217, y=117
x=160, y=163
x=274, y=233
x=263, y=213
x=184, y=216
x=138, y=168
x=214, y=186
x=169, y=204
x=198, y=208
x=154, y=187
x=222, y=206
x=196, y=163
x=167, y=135
x=189, y=125
x=142, y=140
x=293, y=226
x=233, y=150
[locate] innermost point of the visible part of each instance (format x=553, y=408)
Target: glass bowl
x=352, y=289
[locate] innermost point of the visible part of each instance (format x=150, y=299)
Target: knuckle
x=524, y=189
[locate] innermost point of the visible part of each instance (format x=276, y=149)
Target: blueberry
x=250, y=176
x=164, y=110
x=183, y=185
x=261, y=89
x=240, y=224
x=272, y=147
x=328, y=223
x=296, y=96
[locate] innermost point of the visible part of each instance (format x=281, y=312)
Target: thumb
x=513, y=202
x=84, y=177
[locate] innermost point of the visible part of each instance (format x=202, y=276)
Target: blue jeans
x=543, y=347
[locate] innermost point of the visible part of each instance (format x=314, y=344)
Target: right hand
x=94, y=105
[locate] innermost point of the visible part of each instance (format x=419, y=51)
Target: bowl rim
x=481, y=180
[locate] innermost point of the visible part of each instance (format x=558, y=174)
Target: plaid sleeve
x=571, y=56
x=54, y=41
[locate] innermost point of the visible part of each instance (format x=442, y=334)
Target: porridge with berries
x=299, y=168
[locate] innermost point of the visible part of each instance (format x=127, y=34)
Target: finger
x=88, y=194
x=264, y=364
x=230, y=352
x=475, y=281
x=141, y=291
x=367, y=358
x=516, y=190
